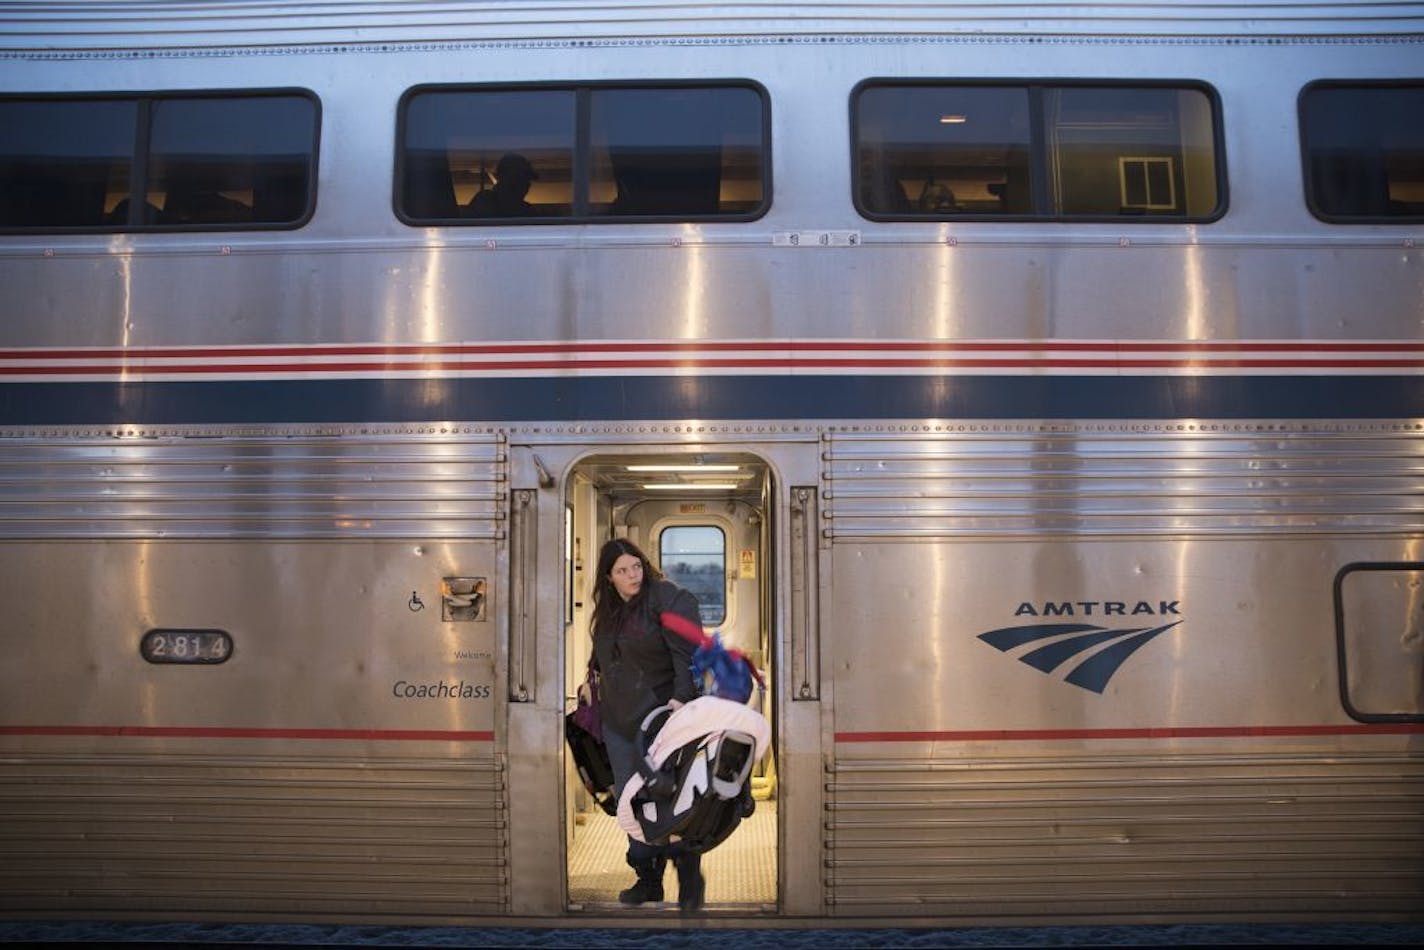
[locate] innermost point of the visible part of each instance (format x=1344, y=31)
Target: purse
x=587, y=715
x=583, y=730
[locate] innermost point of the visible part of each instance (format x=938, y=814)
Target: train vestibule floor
x=740, y=872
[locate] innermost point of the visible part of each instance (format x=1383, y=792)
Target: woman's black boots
x=649, y=886
x=648, y=889
x=691, y=885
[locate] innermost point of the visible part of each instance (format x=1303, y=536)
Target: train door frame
x=599, y=514
x=541, y=470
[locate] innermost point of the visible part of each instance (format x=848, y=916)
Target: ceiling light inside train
x=692, y=486
x=682, y=468
x=953, y=119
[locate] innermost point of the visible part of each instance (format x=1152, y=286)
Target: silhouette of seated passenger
x=512, y=178
x=937, y=197
x=196, y=198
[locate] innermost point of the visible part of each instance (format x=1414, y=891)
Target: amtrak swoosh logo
x=1062, y=642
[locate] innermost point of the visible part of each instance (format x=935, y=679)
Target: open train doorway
x=703, y=519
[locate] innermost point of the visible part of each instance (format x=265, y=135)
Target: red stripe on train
x=314, y=369
x=1165, y=732
x=967, y=735
x=750, y=346
x=232, y=732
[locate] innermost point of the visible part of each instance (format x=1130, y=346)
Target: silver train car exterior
x=1033, y=389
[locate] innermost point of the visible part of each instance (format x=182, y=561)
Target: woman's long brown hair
x=607, y=604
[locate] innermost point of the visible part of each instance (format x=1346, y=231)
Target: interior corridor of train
x=704, y=520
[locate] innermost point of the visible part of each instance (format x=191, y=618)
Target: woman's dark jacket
x=643, y=665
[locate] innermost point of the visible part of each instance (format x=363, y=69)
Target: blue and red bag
x=719, y=671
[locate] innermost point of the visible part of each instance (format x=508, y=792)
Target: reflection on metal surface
x=970, y=834
x=290, y=834
x=1189, y=479
x=276, y=483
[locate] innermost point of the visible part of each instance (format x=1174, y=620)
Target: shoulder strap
x=680, y=625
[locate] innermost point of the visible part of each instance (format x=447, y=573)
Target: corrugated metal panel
x=89, y=25
x=1152, y=835
x=362, y=483
x=1139, y=480
x=175, y=834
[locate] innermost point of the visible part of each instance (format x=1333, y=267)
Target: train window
x=695, y=558
x=64, y=163
x=1364, y=151
x=675, y=151
x=199, y=162
x=1379, y=618
x=488, y=154
x=1080, y=152
x=1105, y=145
x=933, y=150
x=515, y=155
x=224, y=161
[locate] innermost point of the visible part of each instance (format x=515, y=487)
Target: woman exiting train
x=643, y=666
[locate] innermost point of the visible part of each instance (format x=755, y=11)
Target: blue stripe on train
x=713, y=397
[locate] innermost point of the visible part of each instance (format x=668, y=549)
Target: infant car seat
x=693, y=786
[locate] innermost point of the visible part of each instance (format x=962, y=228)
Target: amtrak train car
x=1034, y=391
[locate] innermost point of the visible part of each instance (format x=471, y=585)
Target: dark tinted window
x=1364, y=151
x=676, y=151
x=64, y=163
x=943, y=150
x=231, y=161
x=585, y=153
x=489, y=154
x=198, y=162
